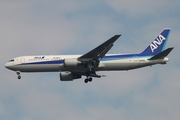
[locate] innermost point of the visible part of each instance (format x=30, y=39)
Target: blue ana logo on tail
x=154, y=45
x=158, y=44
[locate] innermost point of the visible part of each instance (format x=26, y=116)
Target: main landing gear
x=88, y=79
x=18, y=73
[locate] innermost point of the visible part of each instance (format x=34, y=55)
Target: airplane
x=75, y=66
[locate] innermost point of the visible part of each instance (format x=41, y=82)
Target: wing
x=90, y=60
x=99, y=51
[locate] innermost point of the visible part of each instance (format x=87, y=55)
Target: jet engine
x=68, y=76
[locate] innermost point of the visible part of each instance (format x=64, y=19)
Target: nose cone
x=7, y=65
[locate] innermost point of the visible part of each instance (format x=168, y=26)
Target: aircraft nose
x=7, y=65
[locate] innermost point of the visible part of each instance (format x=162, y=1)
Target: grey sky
x=74, y=27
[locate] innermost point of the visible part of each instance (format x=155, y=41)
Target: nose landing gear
x=18, y=73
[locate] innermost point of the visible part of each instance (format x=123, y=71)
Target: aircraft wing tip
x=118, y=35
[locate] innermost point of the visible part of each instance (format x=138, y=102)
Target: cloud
x=139, y=7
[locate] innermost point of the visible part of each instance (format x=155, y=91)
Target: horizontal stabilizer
x=162, y=54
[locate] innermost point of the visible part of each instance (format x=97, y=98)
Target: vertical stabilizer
x=159, y=43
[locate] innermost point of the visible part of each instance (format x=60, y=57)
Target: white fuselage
x=55, y=63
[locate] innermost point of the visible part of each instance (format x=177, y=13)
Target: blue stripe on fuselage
x=105, y=58
x=122, y=57
x=44, y=62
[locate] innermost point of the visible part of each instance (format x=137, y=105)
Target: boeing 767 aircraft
x=75, y=66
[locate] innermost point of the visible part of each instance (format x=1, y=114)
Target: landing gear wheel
x=86, y=80
x=19, y=77
x=90, y=79
x=18, y=73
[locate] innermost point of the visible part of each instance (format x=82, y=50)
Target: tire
x=19, y=77
x=86, y=80
x=90, y=79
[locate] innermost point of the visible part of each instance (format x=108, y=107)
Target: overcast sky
x=40, y=27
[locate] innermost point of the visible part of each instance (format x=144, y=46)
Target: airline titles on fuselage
x=40, y=58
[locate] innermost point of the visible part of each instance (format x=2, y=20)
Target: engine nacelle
x=68, y=76
x=71, y=62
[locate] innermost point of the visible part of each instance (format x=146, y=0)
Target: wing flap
x=101, y=55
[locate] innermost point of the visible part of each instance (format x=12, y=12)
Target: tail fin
x=158, y=44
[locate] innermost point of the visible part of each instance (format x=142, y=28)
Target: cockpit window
x=11, y=60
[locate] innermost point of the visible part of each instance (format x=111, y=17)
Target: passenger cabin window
x=11, y=60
